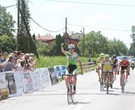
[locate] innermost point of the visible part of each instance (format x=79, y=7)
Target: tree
x=7, y=44
x=23, y=38
x=94, y=42
x=58, y=45
x=132, y=47
x=25, y=41
x=118, y=47
x=6, y=22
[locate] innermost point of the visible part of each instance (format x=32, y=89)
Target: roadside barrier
x=88, y=66
x=14, y=83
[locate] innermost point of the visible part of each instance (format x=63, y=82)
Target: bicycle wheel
x=123, y=82
x=107, y=84
x=101, y=84
x=70, y=95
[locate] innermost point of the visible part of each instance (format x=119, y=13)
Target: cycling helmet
x=124, y=58
x=107, y=56
x=102, y=55
x=114, y=56
x=71, y=46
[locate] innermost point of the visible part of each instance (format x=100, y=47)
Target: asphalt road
x=88, y=96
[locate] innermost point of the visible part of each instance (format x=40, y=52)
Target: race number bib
x=107, y=67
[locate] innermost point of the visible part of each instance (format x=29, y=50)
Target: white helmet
x=71, y=46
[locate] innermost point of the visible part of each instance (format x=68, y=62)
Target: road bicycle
x=70, y=90
x=107, y=70
x=101, y=81
x=123, y=80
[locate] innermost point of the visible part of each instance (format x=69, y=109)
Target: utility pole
x=65, y=35
x=83, y=39
x=18, y=23
x=66, y=26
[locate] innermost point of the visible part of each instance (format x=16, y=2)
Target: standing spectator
x=10, y=64
x=5, y=57
x=1, y=69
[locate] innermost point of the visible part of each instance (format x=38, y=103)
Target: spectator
x=5, y=57
x=10, y=64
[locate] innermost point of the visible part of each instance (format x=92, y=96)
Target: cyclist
x=107, y=66
x=115, y=66
x=73, y=58
x=124, y=65
x=99, y=66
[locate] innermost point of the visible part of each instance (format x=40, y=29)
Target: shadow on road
x=81, y=102
x=130, y=93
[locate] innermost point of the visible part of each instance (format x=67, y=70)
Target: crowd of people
x=16, y=61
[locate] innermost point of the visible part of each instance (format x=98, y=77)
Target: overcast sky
x=114, y=18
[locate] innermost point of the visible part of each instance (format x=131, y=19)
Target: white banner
x=45, y=76
x=18, y=75
x=38, y=79
x=3, y=83
x=11, y=82
x=28, y=86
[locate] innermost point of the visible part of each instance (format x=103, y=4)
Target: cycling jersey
x=72, y=58
x=124, y=63
x=107, y=65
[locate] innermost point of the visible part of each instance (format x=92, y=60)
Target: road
x=88, y=96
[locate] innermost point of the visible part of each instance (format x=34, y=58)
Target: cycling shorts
x=71, y=69
x=123, y=68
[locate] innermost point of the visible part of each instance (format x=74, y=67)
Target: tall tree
x=118, y=47
x=58, y=44
x=6, y=22
x=95, y=43
x=25, y=40
x=132, y=47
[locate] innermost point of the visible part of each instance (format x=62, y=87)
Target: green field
x=58, y=60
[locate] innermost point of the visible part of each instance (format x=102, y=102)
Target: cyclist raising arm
x=72, y=63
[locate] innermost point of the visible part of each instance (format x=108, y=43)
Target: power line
x=88, y=3
x=10, y=6
x=45, y=28
x=99, y=27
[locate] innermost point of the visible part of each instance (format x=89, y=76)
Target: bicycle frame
x=70, y=94
x=107, y=81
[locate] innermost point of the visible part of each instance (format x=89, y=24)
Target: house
x=46, y=38
x=70, y=39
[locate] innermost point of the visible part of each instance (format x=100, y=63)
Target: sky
x=114, y=18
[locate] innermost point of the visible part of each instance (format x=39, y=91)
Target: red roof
x=44, y=38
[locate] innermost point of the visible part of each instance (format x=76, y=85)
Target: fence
x=88, y=66
x=14, y=83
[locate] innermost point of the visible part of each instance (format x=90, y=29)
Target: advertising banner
x=2, y=80
x=18, y=75
x=63, y=69
x=28, y=87
x=45, y=76
x=58, y=71
x=11, y=82
x=38, y=79
x=53, y=76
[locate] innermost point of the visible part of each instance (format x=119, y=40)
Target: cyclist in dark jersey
x=115, y=66
x=124, y=65
x=73, y=58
